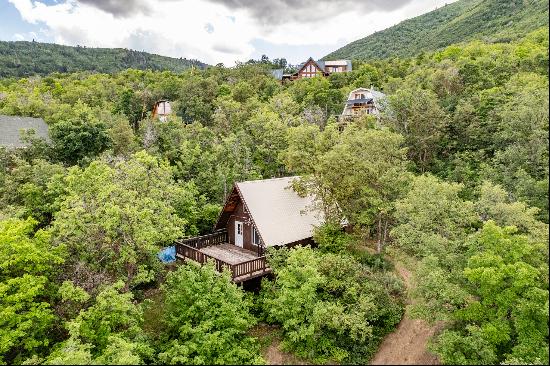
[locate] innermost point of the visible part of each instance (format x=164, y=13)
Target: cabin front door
x=239, y=234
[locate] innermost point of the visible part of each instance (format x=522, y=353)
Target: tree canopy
x=451, y=175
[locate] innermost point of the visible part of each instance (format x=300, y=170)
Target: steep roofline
x=241, y=196
x=224, y=205
x=250, y=213
x=239, y=193
x=305, y=63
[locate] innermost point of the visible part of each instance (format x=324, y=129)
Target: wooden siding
x=240, y=214
x=310, y=69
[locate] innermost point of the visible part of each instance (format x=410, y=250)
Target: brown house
x=256, y=215
x=265, y=213
x=312, y=68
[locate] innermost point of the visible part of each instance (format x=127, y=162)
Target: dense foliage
x=463, y=20
x=27, y=265
x=18, y=59
x=108, y=332
x=331, y=307
x=206, y=319
x=453, y=173
x=490, y=284
x=507, y=320
x=114, y=219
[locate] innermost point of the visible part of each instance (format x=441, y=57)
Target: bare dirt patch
x=407, y=345
x=270, y=340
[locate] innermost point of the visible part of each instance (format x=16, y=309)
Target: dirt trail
x=270, y=338
x=407, y=344
x=274, y=356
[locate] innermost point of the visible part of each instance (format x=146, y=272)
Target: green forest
x=451, y=181
x=463, y=20
x=19, y=59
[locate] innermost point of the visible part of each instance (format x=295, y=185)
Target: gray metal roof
x=280, y=215
x=321, y=64
x=277, y=74
x=347, y=63
x=11, y=126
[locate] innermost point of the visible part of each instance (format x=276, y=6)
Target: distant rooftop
x=11, y=127
x=323, y=64
x=277, y=74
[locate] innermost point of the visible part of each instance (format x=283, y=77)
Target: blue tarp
x=168, y=254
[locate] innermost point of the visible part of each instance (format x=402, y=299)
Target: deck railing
x=196, y=255
x=249, y=267
x=239, y=272
x=198, y=242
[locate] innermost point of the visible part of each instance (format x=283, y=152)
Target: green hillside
x=19, y=59
x=464, y=20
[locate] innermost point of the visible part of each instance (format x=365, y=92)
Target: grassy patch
x=153, y=312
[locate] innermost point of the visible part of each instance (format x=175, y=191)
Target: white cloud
x=173, y=29
x=27, y=36
x=198, y=29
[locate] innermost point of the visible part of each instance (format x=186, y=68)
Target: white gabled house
x=363, y=101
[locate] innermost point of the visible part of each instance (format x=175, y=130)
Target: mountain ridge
x=461, y=21
x=24, y=58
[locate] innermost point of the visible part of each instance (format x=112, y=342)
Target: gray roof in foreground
x=11, y=126
x=281, y=216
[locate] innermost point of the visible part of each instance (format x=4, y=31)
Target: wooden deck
x=243, y=264
x=229, y=253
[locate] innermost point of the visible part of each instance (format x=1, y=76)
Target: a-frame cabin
x=256, y=215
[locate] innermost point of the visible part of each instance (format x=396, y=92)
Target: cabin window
x=255, y=237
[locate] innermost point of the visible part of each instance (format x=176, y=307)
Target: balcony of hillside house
x=242, y=263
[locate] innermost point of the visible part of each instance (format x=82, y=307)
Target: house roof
x=320, y=64
x=378, y=98
x=323, y=64
x=346, y=63
x=279, y=214
x=11, y=126
x=277, y=74
x=163, y=107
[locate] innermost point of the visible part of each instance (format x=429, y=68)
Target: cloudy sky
x=212, y=31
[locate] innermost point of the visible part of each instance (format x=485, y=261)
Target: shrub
x=331, y=238
x=330, y=307
x=206, y=319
